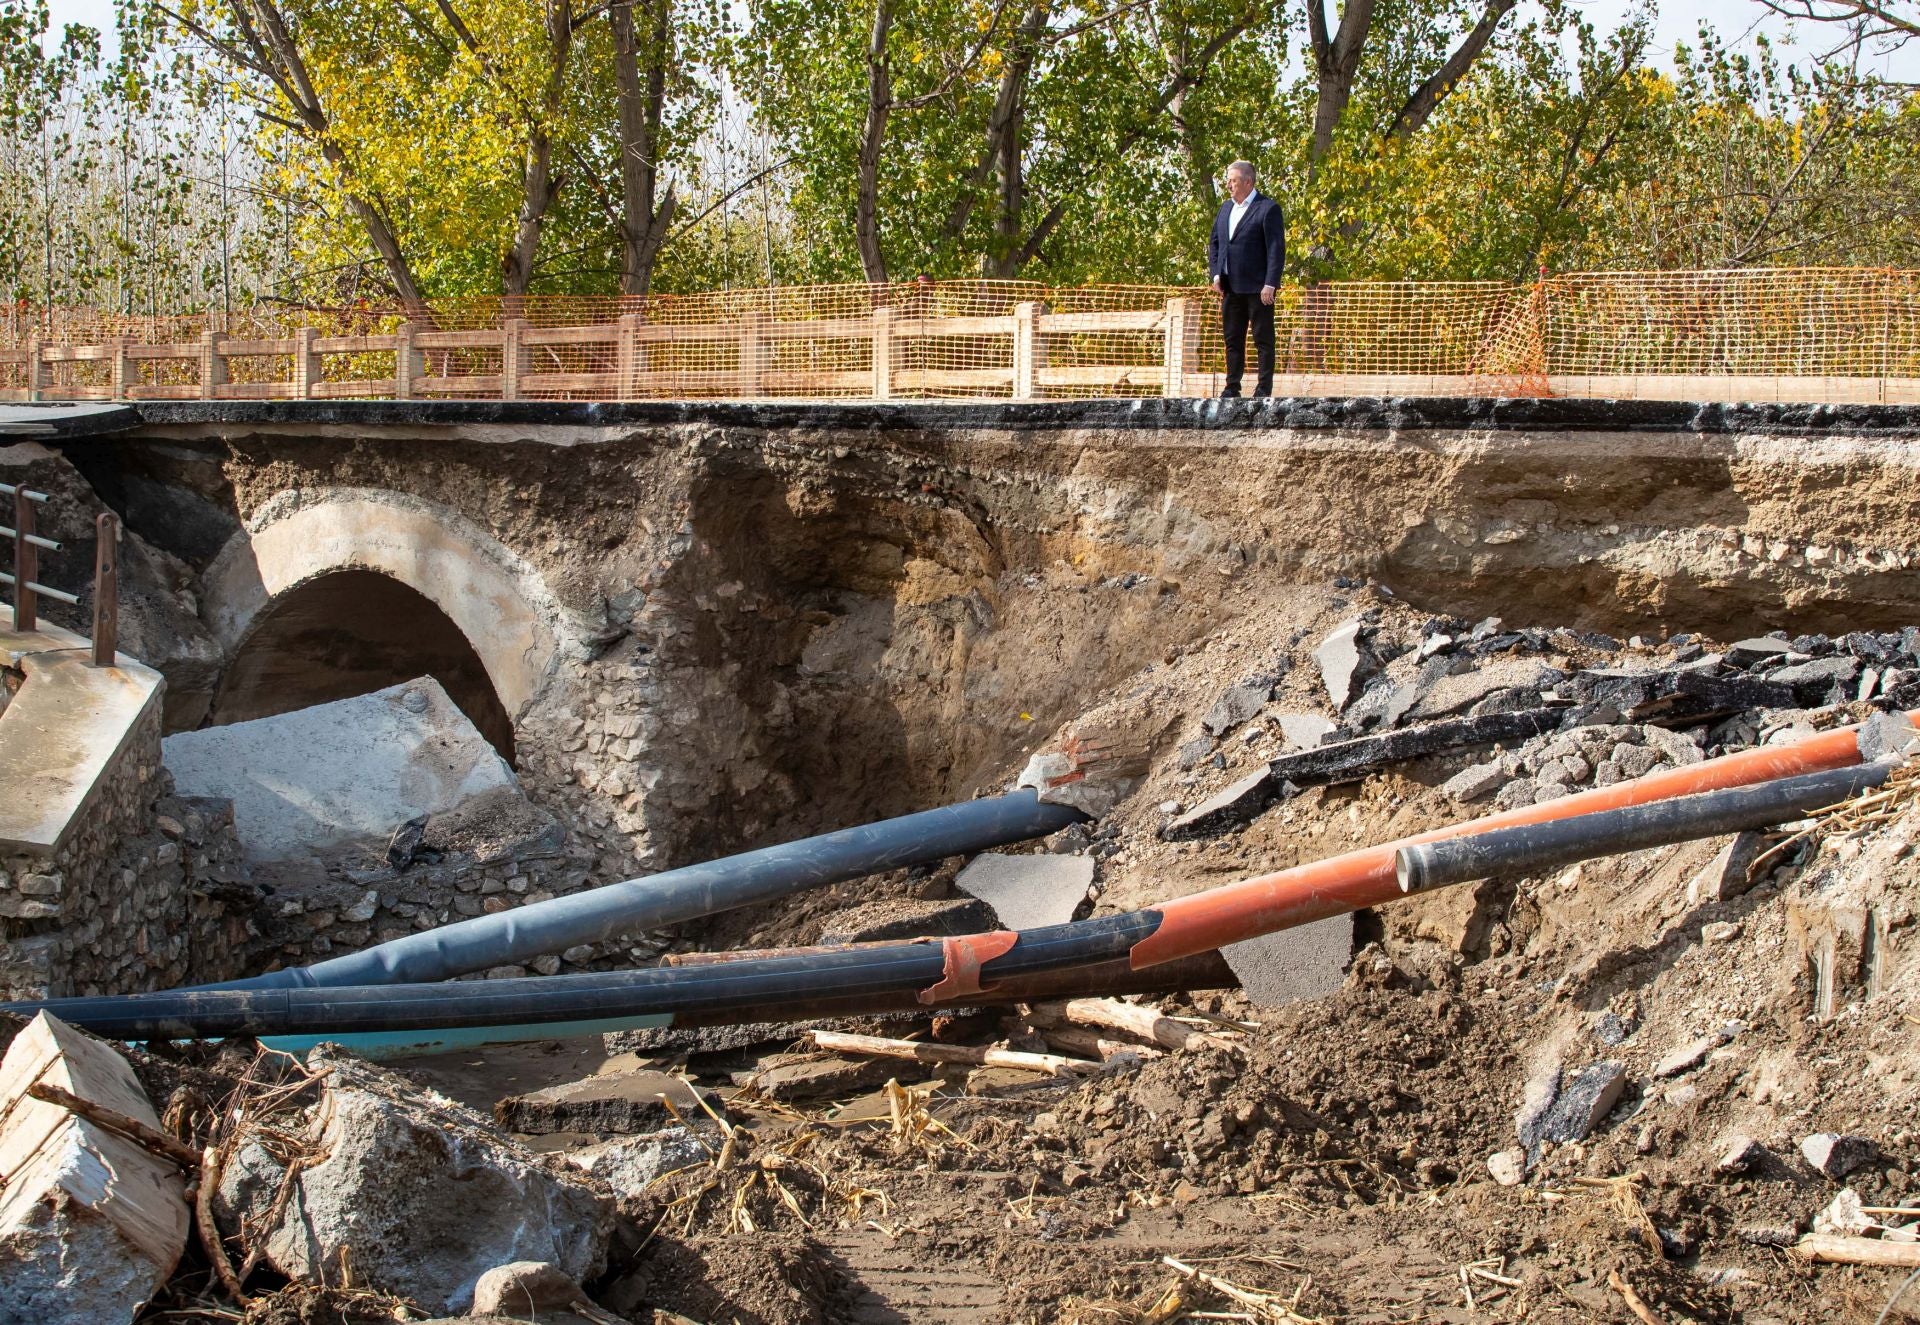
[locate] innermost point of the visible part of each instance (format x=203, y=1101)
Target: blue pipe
x=598, y=914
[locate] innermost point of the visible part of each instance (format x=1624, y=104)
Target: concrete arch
x=499, y=602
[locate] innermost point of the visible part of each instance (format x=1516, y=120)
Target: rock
x=1028, y=892
x=1768, y=1235
x=1739, y=1153
x=1837, y=1154
x=631, y=1164
x=1340, y=658
x=1690, y=1055
x=1508, y=1167
x=530, y=1290
x=627, y=1103
x=1750, y=651
x=1476, y=782
x=1238, y=704
x=1725, y=876
x=1885, y=734
x=1304, y=731
x=1560, y=1108
x=91, y=1224
x=1719, y=931
x=1193, y=752
x=415, y=1195
x=1611, y=1029
x=1238, y=803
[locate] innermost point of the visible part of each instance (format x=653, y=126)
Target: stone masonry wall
x=147, y=892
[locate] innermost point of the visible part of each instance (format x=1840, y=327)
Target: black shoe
x=1263, y=395
x=1229, y=395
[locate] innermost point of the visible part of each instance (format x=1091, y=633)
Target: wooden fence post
x=122, y=370
x=1176, y=350
x=753, y=354
x=306, y=363
x=213, y=365
x=36, y=369
x=626, y=358
x=26, y=563
x=1025, y=350
x=512, y=358
x=407, y=364
x=106, y=588
x=883, y=353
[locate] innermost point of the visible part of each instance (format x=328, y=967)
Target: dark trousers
x=1236, y=311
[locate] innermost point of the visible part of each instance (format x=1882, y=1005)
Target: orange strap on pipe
x=1322, y=888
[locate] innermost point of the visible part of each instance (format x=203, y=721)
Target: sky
x=1679, y=20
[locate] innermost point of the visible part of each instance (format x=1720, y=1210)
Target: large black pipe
x=768, y=986
x=1532, y=848
x=523, y=933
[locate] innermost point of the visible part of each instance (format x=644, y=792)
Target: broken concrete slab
x=91, y=1224
x=415, y=1195
x=788, y=1077
x=1690, y=1055
x=1340, y=659
x=1306, y=962
x=336, y=773
x=1028, y=892
x=626, y=1103
x=1304, y=730
x=1476, y=781
x=1764, y=648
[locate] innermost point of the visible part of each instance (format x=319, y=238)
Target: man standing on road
x=1245, y=255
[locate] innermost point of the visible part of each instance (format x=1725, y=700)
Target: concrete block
x=341, y=772
x=1306, y=962
x=1027, y=892
x=91, y=1225
x=1339, y=660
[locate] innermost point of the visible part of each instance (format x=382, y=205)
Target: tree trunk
x=643, y=229
x=873, y=138
x=1336, y=63
x=539, y=185
x=1006, y=103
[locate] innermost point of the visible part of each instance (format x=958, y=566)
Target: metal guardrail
x=27, y=588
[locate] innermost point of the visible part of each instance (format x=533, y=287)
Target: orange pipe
x=1332, y=887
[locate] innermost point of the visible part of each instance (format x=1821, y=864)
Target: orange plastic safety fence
x=1775, y=334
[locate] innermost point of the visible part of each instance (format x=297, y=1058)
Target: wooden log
x=875, y=1046
x=1132, y=1018
x=1086, y=1043
x=1837, y=1249
x=114, y=1121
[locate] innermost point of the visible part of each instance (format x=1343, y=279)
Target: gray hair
x=1245, y=168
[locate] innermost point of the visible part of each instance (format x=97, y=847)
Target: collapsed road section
x=1504, y=915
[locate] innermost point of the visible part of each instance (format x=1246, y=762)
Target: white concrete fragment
x=91, y=1224
x=1508, y=1167
x=1304, y=730
x=1339, y=658
x=1306, y=962
x=1027, y=892
x=339, y=772
x=631, y=1164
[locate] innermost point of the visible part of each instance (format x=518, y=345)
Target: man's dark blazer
x=1256, y=254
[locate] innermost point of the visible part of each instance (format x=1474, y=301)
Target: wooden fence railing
x=883, y=356
x=24, y=578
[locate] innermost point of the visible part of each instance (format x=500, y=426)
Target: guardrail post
x=306, y=363
x=513, y=357
x=626, y=358
x=36, y=370
x=407, y=363
x=122, y=367
x=883, y=353
x=106, y=588
x=752, y=347
x=213, y=364
x=1025, y=346
x=1176, y=349
x=26, y=564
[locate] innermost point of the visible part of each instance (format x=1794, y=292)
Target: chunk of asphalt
x=1349, y=761
x=622, y=1103
x=1239, y=803
x=1339, y=660
x=1837, y=1154
x=1563, y=1108
x=1811, y=680
x=1763, y=648
x=1306, y=962
x=1028, y=892
x=1451, y=693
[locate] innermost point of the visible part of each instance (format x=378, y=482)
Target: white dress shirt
x=1239, y=210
